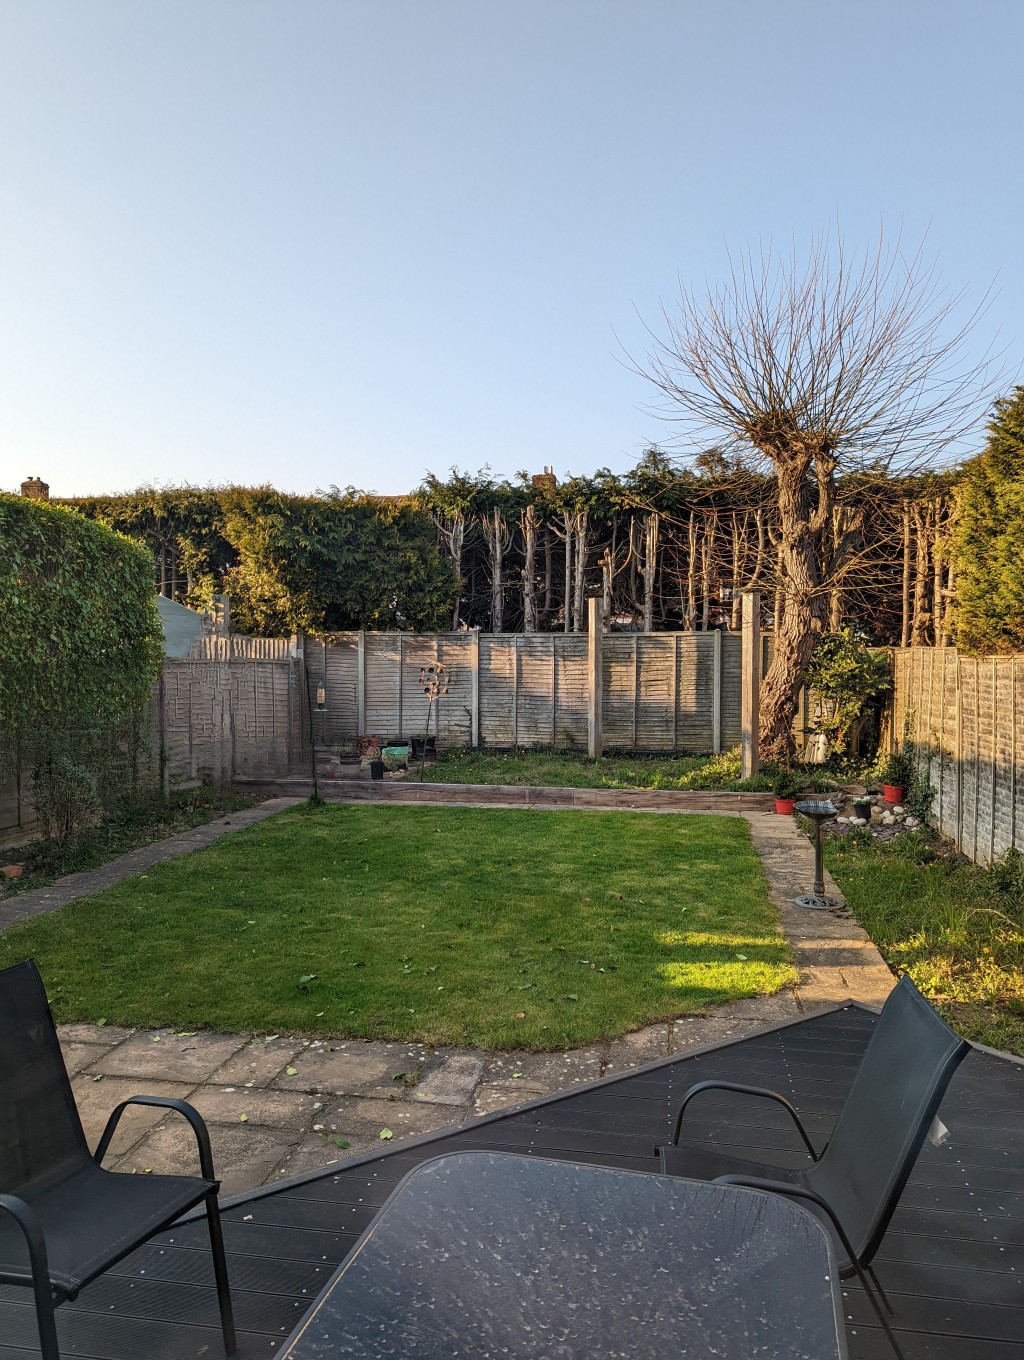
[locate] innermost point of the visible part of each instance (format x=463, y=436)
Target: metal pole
x=819, y=875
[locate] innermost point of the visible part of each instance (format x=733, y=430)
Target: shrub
x=80, y=646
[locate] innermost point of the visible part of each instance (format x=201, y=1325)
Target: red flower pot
x=893, y=793
x=785, y=806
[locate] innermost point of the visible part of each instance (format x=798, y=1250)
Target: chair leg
x=862, y=1275
x=881, y=1292
x=45, y=1320
x=220, y=1271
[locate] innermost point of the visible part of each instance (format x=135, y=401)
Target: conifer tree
x=988, y=542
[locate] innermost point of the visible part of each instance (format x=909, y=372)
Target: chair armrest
x=32, y=1231
x=164, y=1102
x=760, y=1091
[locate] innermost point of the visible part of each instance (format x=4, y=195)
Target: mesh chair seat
x=94, y=1218
x=63, y=1219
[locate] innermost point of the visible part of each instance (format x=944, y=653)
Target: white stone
x=898, y=809
x=858, y=821
x=912, y=822
x=888, y=818
x=841, y=821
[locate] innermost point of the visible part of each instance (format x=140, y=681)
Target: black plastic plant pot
x=376, y=769
x=418, y=746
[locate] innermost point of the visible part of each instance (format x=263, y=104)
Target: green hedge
x=80, y=647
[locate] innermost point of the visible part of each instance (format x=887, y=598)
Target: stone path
x=283, y=1106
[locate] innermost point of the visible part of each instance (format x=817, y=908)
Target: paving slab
x=244, y=1155
x=361, y=1120
x=90, y=1033
x=636, y=1049
x=704, y=1031
x=548, y=1071
x=79, y=1056
x=491, y=1096
x=260, y=1061
x=168, y=1056
x=97, y=1099
x=242, y=1105
x=452, y=1081
x=354, y=1068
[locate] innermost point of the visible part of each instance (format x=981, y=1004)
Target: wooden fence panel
x=965, y=716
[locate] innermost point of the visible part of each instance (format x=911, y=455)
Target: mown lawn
x=957, y=929
x=491, y=928
x=573, y=769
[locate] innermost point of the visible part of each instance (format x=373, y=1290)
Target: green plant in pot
x=786, y=787
x=897, y=774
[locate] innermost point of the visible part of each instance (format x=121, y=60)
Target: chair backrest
x=41, y=1138
x=902, y=1078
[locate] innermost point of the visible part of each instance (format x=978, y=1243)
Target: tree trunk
x=528, y=523
x=905, y=630
x=802, y=615
x=579, y=603
x=567, y=520
x=547, y=570
x=691, y=575
x=498, y=537
x=650, y=569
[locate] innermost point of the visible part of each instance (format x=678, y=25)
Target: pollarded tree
x=818, y=368
x=988, y=539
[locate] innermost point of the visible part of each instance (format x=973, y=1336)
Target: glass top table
x=482, y=1255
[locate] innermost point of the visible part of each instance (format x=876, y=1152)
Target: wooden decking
x=952, y=1262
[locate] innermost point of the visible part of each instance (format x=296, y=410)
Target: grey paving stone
x=702, y=1032
x=274, y=1109
x=96, y=1101
x=244, y=1155
x=491, y=1096
x=547, y=1071
x=453, y=1081
x=314, y=1152
x=636, y=1049
x=259, y=1062
x=170, y=1057
x=354, y=1068
x=762, y=1009
x=360, y=1120
x=79, y=1056
x=87, y=1033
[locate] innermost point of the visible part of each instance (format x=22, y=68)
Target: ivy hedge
x=80, y=647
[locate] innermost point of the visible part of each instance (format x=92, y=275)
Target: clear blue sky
x=346, y=241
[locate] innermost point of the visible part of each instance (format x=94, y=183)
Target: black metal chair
x=65, y=1220
x=855, y=1182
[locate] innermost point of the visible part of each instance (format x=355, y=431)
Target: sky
x=346, y=242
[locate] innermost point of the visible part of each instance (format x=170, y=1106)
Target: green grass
x=570, y=769
x=955, y=928
x=491, y=928
x=140, y=821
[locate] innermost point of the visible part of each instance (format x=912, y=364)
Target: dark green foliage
x=845, y=675
x=80, y=647
x=988, y=542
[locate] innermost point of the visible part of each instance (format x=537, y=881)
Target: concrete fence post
x=750, y=686
x=595, y=677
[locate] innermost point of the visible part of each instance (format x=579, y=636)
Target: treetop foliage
x=988, y=539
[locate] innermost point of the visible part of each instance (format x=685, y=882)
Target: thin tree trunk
x=938, y=550
x=528, y=523
x=919, y=625
x=691, y=575
x=497, y=534
x=567, y=519
x=650, y=569
x=905, y=629
x=547, y=570
x=579, y=612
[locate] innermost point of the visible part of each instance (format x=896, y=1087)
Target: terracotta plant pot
x=785, y=806
x=893, y=793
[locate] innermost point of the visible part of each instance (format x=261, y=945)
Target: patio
x=952, y=1262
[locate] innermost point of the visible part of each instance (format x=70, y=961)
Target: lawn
x=491, y=928
x=573, y=769
x=957, y=929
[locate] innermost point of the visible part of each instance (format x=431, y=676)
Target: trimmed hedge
x=80, y=647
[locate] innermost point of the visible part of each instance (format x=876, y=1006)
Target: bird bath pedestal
x=819, y=811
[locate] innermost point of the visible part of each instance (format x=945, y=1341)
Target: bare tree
x=819, y=368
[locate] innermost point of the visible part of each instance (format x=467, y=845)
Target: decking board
x=952, y=1261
